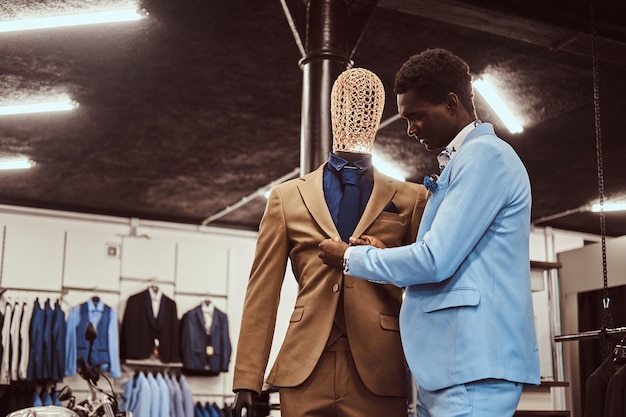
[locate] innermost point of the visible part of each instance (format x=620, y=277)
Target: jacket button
x=336, y=288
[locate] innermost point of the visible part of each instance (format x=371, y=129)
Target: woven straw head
x=357, y=102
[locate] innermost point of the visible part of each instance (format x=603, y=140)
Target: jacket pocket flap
x=465, y=297
x=297, y=314
x=389, y=322
x=391, y=216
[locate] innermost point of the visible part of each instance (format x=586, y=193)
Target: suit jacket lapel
x=198, y=317
x=312, y=192
x=382, y=193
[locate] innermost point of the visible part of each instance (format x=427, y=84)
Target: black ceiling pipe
x=327, y=47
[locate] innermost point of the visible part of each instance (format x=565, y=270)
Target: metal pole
x=327, y=49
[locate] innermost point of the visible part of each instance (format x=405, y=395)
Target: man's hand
x=244, y=399
x=332, y=251
x=367, y=240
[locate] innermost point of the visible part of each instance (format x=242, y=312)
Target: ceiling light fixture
x=608, y=207
x=109, y=16
x=487, y=91
x=585, y=208
x=15, y=163
x=52, y=106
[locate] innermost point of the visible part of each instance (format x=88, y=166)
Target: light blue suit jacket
x=467, y=313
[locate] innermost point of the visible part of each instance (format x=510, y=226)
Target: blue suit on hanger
x=48, y=346
x=164, y=396
x=36, y=355
x=172, y=394
x=195, y=341
x=200, y=411
x=187, y=396
x=142, y=396
x=57, y=366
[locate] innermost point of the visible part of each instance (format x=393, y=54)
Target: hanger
x=95, y=299
x=619, y=351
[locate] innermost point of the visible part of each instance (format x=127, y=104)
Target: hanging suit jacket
x=165, y=406
x=596, y=388
x=201, y=351
x=36, y=357
x=616, y=394
x=48, y=343
x=5, y=366
x=14, y=345
x=138, y=396
x=295, y=221
x=57, y=366
x=187, y=398
x=25, y=342
x=140, y=328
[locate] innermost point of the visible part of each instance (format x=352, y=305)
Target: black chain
x=607, y=319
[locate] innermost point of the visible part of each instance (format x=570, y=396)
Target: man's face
x=434, y=125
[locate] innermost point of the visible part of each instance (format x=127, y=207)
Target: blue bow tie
x=430, y=182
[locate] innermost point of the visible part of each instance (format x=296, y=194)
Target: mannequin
x=338, y=323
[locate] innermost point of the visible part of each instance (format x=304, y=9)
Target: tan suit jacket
x=295, y=221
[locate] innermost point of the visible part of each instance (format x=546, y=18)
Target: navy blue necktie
x=349, y=206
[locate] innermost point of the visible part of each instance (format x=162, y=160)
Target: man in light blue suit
x=467, y=322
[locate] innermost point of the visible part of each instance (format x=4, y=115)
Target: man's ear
x=452, y=103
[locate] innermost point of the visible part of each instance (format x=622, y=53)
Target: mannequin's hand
x=244, y=399
x=367, y=240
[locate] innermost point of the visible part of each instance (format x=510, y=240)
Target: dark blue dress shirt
x=333, y=189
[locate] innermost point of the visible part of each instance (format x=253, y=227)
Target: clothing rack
x=591, y=334
x=4, y=289
x=150, y=280
x=200, y=294
x=152, y=363
x=92, y=289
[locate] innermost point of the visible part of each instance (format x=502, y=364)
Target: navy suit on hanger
x=201, y=351
x=57, y=368
x=36, y=354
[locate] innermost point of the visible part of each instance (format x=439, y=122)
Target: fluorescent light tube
x=489, y=93
x=123, y=15
x=53, y=106
x=608, y=207
x=16, y=163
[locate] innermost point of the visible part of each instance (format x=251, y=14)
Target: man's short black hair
x=433, y=74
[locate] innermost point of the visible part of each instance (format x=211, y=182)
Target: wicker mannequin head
x=357, y=102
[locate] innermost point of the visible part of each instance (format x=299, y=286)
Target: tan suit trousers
x=334, y=389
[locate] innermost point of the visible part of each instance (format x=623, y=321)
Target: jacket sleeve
x=114, y=346
x=226, y=346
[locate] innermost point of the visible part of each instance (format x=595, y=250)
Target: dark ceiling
x=186, y=114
